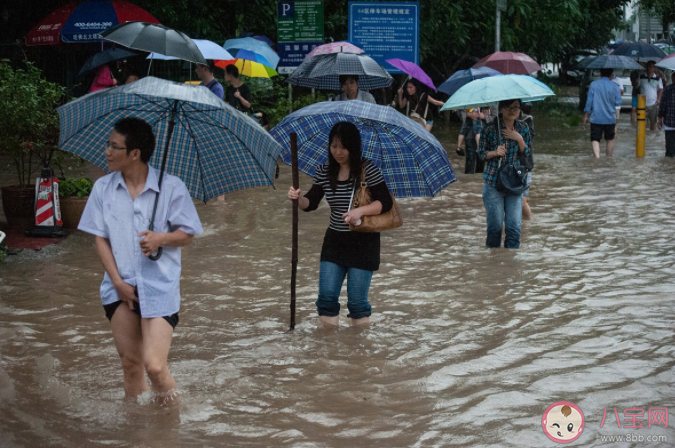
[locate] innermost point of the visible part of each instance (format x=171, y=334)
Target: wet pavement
x=468, y=345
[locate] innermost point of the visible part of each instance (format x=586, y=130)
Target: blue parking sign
x=386, y=30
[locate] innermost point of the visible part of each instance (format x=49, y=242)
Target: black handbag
x=512, y=178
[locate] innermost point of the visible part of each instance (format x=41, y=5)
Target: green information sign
x=300, y=21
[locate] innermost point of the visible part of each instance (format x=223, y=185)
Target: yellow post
x=641, y=126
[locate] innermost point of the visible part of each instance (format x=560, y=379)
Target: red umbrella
x=509, y=63
x=79, y=22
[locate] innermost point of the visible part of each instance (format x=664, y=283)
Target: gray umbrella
x=155, y=38
x=323, y=72
x=610, y=61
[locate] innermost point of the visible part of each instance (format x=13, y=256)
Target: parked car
x=570, y=69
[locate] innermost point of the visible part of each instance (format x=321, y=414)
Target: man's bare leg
x=126, y=329
x=157, y=335
x=596, y=149
x=609, y=150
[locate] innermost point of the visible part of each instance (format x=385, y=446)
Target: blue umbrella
x=462, y=77
x=640, y=51
x=212, y=147
x=482, y=92
x=252, y=56
x=412, y=160
x=254, y=45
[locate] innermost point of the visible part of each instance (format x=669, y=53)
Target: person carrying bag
x=374, y=223
x=346, y=253
x=505, y=145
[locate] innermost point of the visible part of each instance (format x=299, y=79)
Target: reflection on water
x=468, y=345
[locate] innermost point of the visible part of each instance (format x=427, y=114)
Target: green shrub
x=270, y=96
x=29, y=123
x=69, y=187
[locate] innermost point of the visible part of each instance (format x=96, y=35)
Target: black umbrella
x=104, y=57
x=640, y=52
x=155, y=38
x=609, y=61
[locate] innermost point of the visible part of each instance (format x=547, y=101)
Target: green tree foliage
x=664, y=9
x=549, y=30
x=453, y=34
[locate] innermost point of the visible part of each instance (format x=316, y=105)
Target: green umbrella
x=482, y=92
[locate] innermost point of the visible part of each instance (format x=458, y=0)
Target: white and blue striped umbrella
x=412, y=160
x=213, y=148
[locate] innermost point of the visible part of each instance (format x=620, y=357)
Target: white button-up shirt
x=111, y=213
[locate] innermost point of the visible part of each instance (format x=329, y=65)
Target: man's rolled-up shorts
x=652, y=112
x=598, y=129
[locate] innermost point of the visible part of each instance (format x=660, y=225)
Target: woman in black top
x=412, y=99
x=346, y=253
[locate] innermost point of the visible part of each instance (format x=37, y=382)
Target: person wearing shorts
x=140, y=295
x=603, y=107
x=651, y=86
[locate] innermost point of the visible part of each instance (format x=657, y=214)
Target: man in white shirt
x=350, y=89
x=618, y=82
x=140, y=295
x=652, y=87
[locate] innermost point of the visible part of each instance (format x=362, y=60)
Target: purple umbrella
x=413, y=70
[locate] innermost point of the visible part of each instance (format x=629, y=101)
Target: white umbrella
x=209, y=49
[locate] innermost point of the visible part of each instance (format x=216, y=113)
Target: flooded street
x=468, y=345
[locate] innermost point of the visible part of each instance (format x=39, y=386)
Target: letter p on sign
x=285, y=9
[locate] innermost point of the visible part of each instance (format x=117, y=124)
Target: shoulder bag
x=373, y=223
x=512, y=178
x=416, y=117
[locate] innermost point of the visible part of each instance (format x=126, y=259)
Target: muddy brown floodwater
x=468, y=345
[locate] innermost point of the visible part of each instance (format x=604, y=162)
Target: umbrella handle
x=172, y=123
x=154, y=257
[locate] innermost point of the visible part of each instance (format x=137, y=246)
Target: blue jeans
x=502, y=211
x=331, y=277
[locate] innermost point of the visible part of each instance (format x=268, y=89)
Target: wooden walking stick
x=294, y=250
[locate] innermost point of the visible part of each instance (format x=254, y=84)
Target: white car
x=626, y=97
x=592, y=75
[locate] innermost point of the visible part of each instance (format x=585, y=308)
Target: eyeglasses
x=113, y=146
x=514, y=109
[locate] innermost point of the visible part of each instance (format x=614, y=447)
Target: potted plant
x=29, y=131
x=73, y=195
